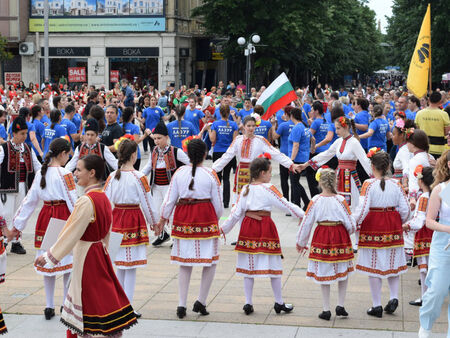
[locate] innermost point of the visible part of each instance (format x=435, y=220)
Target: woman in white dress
x=403, y=156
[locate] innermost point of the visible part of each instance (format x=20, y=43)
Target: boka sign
x=77, y=74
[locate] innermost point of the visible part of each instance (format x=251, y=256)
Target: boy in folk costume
x=331, y=254
x=18, y=166
x=162, y=164
x=258, y=245
x=3, y=228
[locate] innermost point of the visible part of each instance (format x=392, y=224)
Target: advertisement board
x=12, y=78
x=99, y=16
x=77, y=74
x=113, y=76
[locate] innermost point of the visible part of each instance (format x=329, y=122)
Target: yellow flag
x=420, y=66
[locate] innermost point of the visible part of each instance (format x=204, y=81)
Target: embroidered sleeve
x=69, y=189
x=404, y=208
x=237, y=213
x=419, y=217
x=364, y=188
x=349, y=221
x=216, y=193
x=276, y=154
x=363, y=207
x=360, y=154
x=148, y=167
x=172, y=194
x=280, y=202
x=231, y=152
x=320, y=159
x=147, y=205
x=28, y=205
x=145, y=184
x=307, y=223
x=70, y=182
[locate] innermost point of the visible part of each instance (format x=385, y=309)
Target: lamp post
x=249, y=49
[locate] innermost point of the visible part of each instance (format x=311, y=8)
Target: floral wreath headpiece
x=66, y=137
x=343, y=122
x=265, y=155
x=319, y=172
x=257, y=118
x=400, y=124
x=409, y=132
x=120, y=140
x=373, y=151
x=187, y=140
x=418, y=172
x=402, y=114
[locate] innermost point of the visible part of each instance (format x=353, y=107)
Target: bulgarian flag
x=276, y=96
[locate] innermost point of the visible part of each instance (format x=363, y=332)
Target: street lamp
x=249, y=49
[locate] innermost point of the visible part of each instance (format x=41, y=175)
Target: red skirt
x=258, y=237
x=422, y=242
x=3, y=329
x=195, y=221
x=129, y=221
x=106, y=309
x=51, y=209
x=242, y=177
x=381, y=229
x=331, y=243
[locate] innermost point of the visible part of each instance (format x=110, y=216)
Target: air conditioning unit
x=26, y=48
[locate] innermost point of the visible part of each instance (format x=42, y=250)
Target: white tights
x=49, y=286
x=423, y=286
x=127, y=278
x=342, y=290
x=184, y=278
x=375, y=288
x=276, y=288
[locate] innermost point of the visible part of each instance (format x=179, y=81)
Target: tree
x=4, y=53
x=404, y=27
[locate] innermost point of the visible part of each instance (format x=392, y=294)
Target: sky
x=381, y=8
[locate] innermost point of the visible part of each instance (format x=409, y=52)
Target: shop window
x=141, y=70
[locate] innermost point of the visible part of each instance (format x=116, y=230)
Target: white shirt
x=36, y=164
x=107, y=154
x=160, y=163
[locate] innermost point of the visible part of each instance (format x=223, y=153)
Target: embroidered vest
x=10, y=168
x=100, y=226
x=97, y=150
x=172, y=164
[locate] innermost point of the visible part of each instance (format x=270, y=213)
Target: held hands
x=298, y=168
x=40, y=261
x=301, y=249
x=405, y=227
x=158, y=228
x=10, y=234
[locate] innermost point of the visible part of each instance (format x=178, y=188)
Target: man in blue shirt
x=247, y=110
x=234, y=114
x=264, y=127
x=362, y=118
x=71, y=128
x=194, y=115
x=151, y=117
x=128, y=92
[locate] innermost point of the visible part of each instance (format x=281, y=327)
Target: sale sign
x=113, y=76
x=12, y=78
x=77, y=74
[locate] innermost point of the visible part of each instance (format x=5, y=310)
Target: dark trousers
x=137, y=164
x=225, y=173
x=297, y=190
x=284, y=180
x=361, y=173
x=148, y=141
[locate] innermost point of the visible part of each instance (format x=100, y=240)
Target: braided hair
x=126, y=149
x=196, y=150
x=127, y=114
x=180, y=113
x=58, y=146
x=381, y=162
x=257, y=166
x=328, y=179
x=427, y=177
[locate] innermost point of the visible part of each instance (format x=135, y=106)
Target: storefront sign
x=67, y=51
x=77, y=74
x=184, y=52
x=130, y=52
x=12, y=78
x=113, y=76
x=217, y=56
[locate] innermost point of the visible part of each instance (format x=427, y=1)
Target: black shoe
x=160, y=240
x=288, y=215
x=18, y=248
x=376, y=311
x=417, y=302
x=283, y=307
x=419, y=282
x=49, y=313
x=248, y=308
x=199, y=307
x=355, y=251
x=391, y=306
x=233, y=243
x=340, y=311
x=181, y=312
x=61, y=308
x=325, y=315
x=137, y=314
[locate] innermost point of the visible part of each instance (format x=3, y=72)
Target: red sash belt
x=126, y=206
x=382, y=209
x=51, y=203
x=346, y=164
x=257, y=214
x=185, y=201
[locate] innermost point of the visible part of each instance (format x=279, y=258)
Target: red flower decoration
x=372, y=152
x=418, y=172
x=265, y=155
x=343, y=121
x=18, y=126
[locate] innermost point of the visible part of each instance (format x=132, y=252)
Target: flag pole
x=429, y=72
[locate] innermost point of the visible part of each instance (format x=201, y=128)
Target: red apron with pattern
x=331, y=243
x=51, y=209
x=195, y=220
x=258, y=236
x=347, y=170
x=422, y=242
x=129, y=221
x=381, y=229
x=398, y=175
x=242, y=176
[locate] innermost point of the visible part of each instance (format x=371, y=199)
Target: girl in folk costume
x=331, y=254
x=129, y=190
x=246, y=148
x=437, y=280
x=90, y=308
x=348, y=150
x=196, y=192
x=258, y=245
x=56, y=187
x=382, y=209
x=162, y=164
x=3, y=230
x=18, y=164
x=422, y=235
x=403, y=156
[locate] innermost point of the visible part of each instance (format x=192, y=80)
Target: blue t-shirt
x=306, y=108
x=410, y=114
x=217, y=115
x=70, y=127
x=303, y=136
x=3, y=134
x=132, y=129
x=332, y=128
x=284, y=130
x=279, y=114
x=327, y=116
x=76, y=120
x=39, y=129
x=224, y=134
x=380, y=128
x=176, y=135
x=263, y=129
x=45, y=120
x=320, y=127
x=363, y=117
x=152, y=117
x=51, y=134
x=445, y=104
x=194, y=116
x=243, y=113
x=30, y=128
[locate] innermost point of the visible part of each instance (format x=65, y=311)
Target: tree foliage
x=4, y=53
x=329, y=38
x=404, y=27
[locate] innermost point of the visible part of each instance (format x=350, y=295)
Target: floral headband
x=373, y=151
x=418, y=172
x=265, y=155
x=120, y=140
x=319, y=172
x=257, y=118
x=343, y=122
x=402, y=114
x=409, y=132
x=187, y=140
x=400, y=124
x=66, y=137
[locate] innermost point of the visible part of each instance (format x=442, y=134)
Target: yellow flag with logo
x=420, y=66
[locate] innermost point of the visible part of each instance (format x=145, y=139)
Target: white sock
x=342, y=291
x=120, y=273
x=375, y=289
x=325, y=288
x=393, y=286
x=207, y=279
x=423, y=275
x=49, y=286
x=248, y=289
x=130, y=283
x=276, y=288
x=65, y=286
x=184, y=278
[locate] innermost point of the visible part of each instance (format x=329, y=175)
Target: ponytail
x=44, y=168
x=180, y=113
x=355, y=134
x=126, y=149
x=57, y=146
x=247, y=188
x=196, y=152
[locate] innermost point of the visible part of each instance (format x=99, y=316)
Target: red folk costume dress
x=59, y=198
x=195, y=229
x=258, y=244
x=331, y=254
x=3, y=329
x=379, y=216
x=96, y=303
x=348, y=151
x=422, y=235
x=246, y=150
x=132, y=199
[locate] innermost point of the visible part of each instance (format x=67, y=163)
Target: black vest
x=10, y=168
x=171, y=159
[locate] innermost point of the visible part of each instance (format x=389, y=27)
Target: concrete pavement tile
x=332, y=333
x=219, y=330
x=27, y=309
x=165, y=328
x=414, y=335
x=237, y=316
x=414, y=327
x=291, y=319
x=381, y=324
